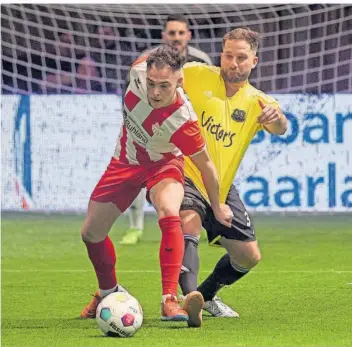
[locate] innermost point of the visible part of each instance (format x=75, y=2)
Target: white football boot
x=218, y=309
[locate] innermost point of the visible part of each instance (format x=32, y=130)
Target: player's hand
x=224, y=215
x=269, y=114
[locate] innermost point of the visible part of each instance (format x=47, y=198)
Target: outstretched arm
x=272, y=119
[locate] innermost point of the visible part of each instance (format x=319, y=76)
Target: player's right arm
x=272, y=119
x=191, y=143
x=210, y=179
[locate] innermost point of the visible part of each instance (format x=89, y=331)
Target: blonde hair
x=246, y=34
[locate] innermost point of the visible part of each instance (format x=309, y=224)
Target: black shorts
x=242, y=228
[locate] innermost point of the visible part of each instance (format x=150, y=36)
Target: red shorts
x=121, y=183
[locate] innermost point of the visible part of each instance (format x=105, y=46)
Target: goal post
x=305, y=48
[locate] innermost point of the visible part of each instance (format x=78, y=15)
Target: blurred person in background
x=137, y=39
x=111, y=56
x=176, y=33
x=32, y=69
x=73, y=70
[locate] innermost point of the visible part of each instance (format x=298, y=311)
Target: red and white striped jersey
x=149, y=135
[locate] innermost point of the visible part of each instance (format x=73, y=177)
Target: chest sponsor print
x=217, y=130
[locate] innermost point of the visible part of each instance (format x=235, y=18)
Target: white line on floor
x=158, y=271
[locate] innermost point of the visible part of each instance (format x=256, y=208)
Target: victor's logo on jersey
x=217, y=130
x=238, y=115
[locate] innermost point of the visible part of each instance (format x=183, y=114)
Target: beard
x=181, y=48
x=234, y=77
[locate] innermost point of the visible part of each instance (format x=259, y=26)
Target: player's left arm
x=272, y=119
x=191, y=143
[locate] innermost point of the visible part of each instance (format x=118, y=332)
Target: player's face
x=161, y=86
x=237, y=61
x=177, y=35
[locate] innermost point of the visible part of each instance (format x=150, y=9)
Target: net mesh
x=59, y=48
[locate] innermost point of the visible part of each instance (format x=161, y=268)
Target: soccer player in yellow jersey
x=230, y=112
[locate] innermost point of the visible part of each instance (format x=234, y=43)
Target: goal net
x=55, y=147
x=305, y=48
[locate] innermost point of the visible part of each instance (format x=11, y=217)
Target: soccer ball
x=119, y=315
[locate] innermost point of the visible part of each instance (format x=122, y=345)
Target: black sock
x=190, y=265
x=223, y=274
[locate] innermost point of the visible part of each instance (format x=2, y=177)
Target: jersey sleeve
x=191, y=72
x=141, y=59
x=188, y=138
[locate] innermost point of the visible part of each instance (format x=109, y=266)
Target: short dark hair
x=246, y=34
x=176, y=18
x=166, y=56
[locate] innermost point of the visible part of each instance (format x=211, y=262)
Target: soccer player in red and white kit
x=159, y=127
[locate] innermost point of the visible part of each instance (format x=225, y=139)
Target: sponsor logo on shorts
x=187, y=202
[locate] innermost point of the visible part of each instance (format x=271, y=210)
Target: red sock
x=171, y=253
x=103, y=258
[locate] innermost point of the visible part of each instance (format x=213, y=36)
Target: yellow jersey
x=228, y=124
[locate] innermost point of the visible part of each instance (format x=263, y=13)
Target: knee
x=248, y=260
x=192, y=232
x=88, y=234
x=191, y=223
x=192, y=229
x=254, y=258
x=167, y=211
